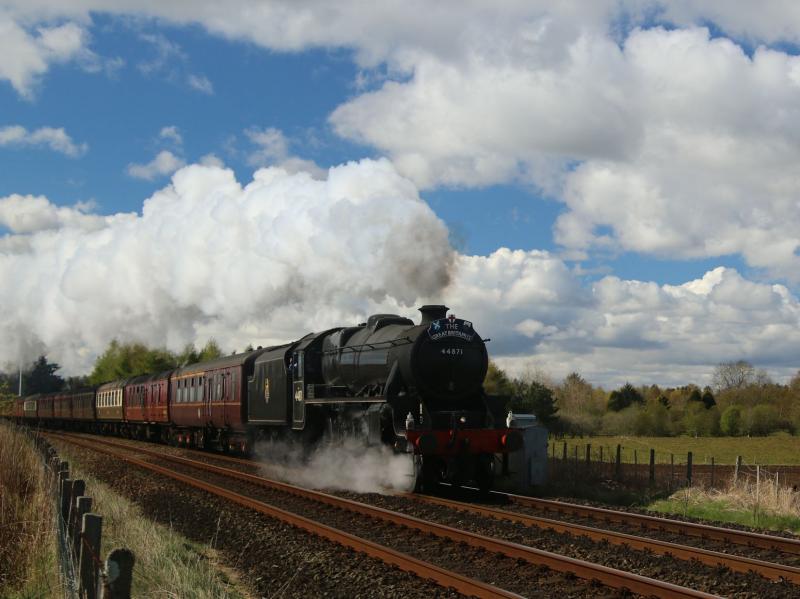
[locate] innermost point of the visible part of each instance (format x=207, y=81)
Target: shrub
x=731, y=421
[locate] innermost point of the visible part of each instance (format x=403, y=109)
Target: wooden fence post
x=671, y=470
x=618, y=474
x=83, y=505
x=736, y=469
x=119, y=575
x=712, y=472
x=689, y=469
x=636, y=465
x=652, y=466
x=91, y=529
x=66, y=496
x=78, y=489
x=588, y=454
x=564, y=453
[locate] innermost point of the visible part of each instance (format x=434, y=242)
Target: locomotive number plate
x=453, y=351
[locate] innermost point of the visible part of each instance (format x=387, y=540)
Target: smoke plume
x=208, y=257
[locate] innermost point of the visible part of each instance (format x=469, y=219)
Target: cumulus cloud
x=31, y=214
x=258, y=263
x=56, y=139
x=165, y=163
x=272, y=148
x=210, y=257
x=539, y=315
x=27, y=55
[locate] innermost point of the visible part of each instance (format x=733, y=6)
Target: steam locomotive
x=417, y=388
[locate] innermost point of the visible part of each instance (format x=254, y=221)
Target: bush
x=730, y=423
x=763, y=420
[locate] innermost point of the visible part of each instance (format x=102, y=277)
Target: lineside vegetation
x=28, y=561
x=167, y=563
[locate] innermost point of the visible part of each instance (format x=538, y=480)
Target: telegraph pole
x=20, y=381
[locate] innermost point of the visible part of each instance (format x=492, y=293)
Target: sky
x=609, y=188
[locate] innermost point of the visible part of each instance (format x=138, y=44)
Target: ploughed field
x=275, y=556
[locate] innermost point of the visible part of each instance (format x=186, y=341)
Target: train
x=417, y=388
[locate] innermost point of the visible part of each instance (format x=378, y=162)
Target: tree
x=737, y=375
x=731, y=421
x=575, y=394
x=695, y=396
x=124, y=360
x=497, y=381
x=664, y=401
x=42, y=378
x=624, y=397
x=210, y=351
x=533, y=397
x=708, y=398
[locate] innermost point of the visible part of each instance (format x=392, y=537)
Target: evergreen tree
x=211, y=351
x=497, y=381
x=708, y=398
x=533, y=397
x=624, y=397
x=42, y=378
x=695, y=396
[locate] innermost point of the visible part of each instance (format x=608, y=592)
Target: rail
x=611, y=577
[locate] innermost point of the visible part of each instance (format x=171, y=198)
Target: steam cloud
x=347, y=466
x=283, y=255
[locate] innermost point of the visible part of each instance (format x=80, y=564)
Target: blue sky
x=641, y=172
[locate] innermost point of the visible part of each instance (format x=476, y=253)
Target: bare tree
x=739, y=374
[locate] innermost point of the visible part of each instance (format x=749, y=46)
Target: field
x=778, y=449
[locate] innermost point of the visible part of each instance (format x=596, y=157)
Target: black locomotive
x=417, y=387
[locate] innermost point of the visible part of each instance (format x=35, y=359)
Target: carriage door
x=298, y=397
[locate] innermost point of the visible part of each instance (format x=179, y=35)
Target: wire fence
x=86, y=575
x=658, y=471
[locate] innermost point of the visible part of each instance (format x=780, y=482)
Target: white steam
x=345, y=466
x=262, y=263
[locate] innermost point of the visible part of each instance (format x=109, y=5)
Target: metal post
x=588, y=453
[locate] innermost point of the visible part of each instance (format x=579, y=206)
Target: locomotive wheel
x=484, y=474
x=426, y=475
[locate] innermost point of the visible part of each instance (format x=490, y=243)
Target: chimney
x=432, y=312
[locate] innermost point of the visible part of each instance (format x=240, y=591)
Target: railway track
x=692, y=529
x=593, y=572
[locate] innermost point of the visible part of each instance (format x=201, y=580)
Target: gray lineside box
x=527, y=467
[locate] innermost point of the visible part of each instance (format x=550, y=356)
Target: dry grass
x=167, y=564
x=763, y=504
x=28, y=562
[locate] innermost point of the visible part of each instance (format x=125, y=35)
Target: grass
x=28, y=560
x=167, y=564
x=768, y=506
x=777, y=449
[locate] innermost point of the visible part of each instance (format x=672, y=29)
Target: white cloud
x=258, y=264
x=165, y=163
x=209, y=257
x=171, y=133
x=31, y=214
x=200, y=83
x=56, y=139
x=272, y=149
x=27, y=55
